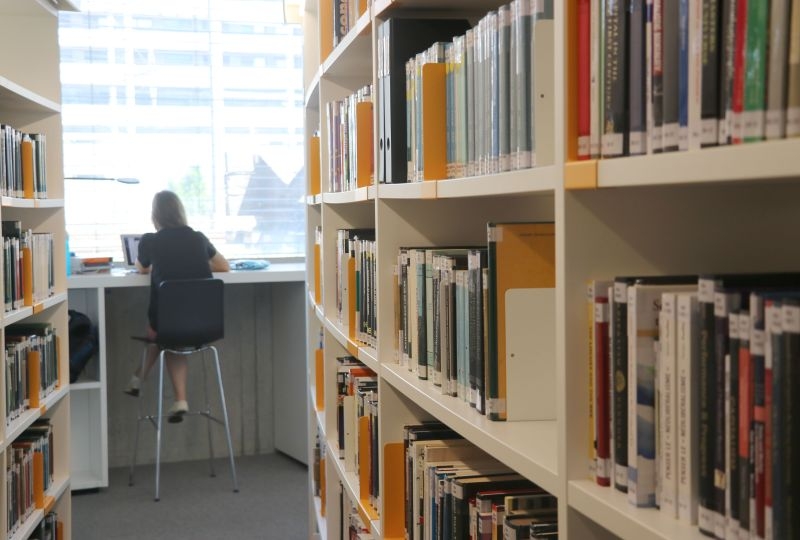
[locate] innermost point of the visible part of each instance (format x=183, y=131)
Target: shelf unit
x=30, y=90
x=730, y=209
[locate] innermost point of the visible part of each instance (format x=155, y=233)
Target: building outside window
x=200, y=97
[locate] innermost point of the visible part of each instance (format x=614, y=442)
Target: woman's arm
x=142, y=269
x=219, y=263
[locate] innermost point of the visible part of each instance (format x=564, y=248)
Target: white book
x=688, y=357
x=667, y=393
x=643, y=310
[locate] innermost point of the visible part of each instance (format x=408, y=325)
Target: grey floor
x=272, y=503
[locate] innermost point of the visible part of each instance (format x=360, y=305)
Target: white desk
x=90, y=394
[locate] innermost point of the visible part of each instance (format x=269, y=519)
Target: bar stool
x=190, y=319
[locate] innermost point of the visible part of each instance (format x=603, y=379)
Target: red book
x=602, y=408
x=584, y=78
x=739, y=62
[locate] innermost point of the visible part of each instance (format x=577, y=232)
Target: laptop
x=130, y=248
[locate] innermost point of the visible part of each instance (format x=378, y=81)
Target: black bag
x=83, y=343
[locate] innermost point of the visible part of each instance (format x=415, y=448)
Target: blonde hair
x=168, y=211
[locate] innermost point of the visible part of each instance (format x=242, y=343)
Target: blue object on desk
x=249, y=264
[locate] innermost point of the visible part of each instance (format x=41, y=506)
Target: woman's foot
x=133, y=386
x=178, y=409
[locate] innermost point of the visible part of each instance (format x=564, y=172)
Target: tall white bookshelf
x=30, y=95
x=723, y=209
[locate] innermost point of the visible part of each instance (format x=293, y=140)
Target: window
x=186, y=107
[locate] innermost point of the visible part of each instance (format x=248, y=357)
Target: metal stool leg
x=138, y=418
x=225, y=418
x=207, y=414
x=159, y=418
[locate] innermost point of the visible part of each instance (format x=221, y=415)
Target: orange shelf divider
x=434, y=122
x=365, y=169
x=580, y=174
x=320, y=378
x=314, y=186
x=394, y=508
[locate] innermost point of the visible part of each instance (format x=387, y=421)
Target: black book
x=477, y=262
x=726, y=62
x=637, y=68
x=790, y=479
x=670, y=96
x=403, y=39
x=614, y=134
x=710, y=79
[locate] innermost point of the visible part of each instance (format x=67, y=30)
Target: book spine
x=595, y=80
x=592, y=365
x=636, y=78
x=793, y=74
x=790, y=523
x=757, y=426
x=710, y=80
x=524, y=73
x=684, y=44
x=723, y=305
x=495, y=409
x=739, y=58
x=657, y=74
x=687, y=341
x=745, y=417
x=504, y=90
x=620, y=368
x=583, y=77
x=772, y=351
x=604, y=467
x=732, y=428
x=671, y=75
x=421, y=314
x=755, y=71
x=469, y=69
x=667, y=392
x=615, y=75
x=726, y=63
x=493, y=97
x=708, y=393
x=775, y=127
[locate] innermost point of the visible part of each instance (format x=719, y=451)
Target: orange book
x=521, y=259
x=38, y=479
x=314, y=166
x=434, y=122
x=365, y=169
x=28, y=166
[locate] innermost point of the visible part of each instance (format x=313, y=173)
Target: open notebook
x=130, y=248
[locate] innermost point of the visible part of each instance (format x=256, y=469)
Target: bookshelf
x=30, y=90
x=721, y=209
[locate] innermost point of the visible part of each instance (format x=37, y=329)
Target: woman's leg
x=178, y=368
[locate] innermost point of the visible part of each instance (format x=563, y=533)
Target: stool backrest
x=190, y=312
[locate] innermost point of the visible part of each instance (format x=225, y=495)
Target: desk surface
x=275, y=273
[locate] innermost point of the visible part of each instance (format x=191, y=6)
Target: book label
x=621, y=474
x=775, y=122
x=753, y=124
x=612, y=144
x=636, y=140
x=709, y=135
x=793, y=121
x=583, y=147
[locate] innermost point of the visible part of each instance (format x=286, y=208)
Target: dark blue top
x=175, y=253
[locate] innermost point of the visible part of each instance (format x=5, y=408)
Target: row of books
x=353, y=527
x=31, y=366
x=693, y=398
x=356, y=283
x=23, y=171
x=659, y=76
x=351, y=139
x=29, y=275
x=356, y=420
x=457, y=306
x=455, y=490
x=29, y=472
x=495, y=84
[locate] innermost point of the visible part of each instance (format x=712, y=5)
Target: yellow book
x=522, y=269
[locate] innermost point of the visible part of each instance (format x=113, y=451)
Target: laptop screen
x=130, y=248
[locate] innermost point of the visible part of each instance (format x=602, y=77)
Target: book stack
x=660, y=76
x=49, y=528
x=356, y=284
x=351, y=141
x=489, y=108
x=23, y=170
x=700, y=420
x=30, y=473
x=455, y=305
x=27, y=266
x=345, y=16
x=455, y=490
